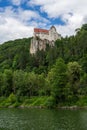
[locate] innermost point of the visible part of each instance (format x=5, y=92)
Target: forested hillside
x=54, y=77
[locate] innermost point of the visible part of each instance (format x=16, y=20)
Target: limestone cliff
x=39, y=44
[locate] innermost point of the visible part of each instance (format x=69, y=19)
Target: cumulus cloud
x=12, y=26
x=13, y=29
x=17, y=2
x=18, y=23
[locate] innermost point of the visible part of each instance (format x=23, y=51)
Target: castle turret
x=53, y=35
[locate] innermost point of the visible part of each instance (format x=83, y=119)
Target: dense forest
x=54, y=77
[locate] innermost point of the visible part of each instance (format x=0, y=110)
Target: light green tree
x=57, y=79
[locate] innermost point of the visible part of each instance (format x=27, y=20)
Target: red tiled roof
x=38, y=30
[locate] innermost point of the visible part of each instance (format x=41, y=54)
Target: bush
x=12, y=98
x=35, y=101
x=16, y=104
x=82, y=101
x=50, y=103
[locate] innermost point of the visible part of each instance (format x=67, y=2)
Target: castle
x=50, y=35
x=42, y=37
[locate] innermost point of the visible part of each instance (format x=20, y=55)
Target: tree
x=1, y=84
x=83, y=62
x=83, y=85
x=57, y=79
x=74, y=72
x=7, y=82
x=19, y=82
x=84, y=27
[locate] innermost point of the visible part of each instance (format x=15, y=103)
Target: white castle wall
x=42, y=35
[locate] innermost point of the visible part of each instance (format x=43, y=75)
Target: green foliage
x=74, y=72
x=57, y=79
x=84, y=27
x=12, y=98
x=82, y=101
x=35, y=101
x=59, y=72
x=50, y=102
x=83, y=85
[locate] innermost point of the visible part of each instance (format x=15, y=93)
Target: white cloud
x=72, y=22
x=53, y=8
x=17, y=2
x=18, y=23
x=73, y=13
x=13, y=29
x=12, y=26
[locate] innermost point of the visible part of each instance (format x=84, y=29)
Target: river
x=42, y=119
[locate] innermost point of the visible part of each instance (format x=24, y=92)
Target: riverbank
x=40, y=102
x=55, y=107
x=23, y=102
x=72, y=107
x=45, y=107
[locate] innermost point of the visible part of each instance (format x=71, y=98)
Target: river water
x=42, y=119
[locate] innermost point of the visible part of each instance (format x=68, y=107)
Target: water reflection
x=42, y=119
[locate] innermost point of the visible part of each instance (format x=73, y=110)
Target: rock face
x=42, y=37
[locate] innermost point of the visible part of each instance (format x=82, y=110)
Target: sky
x=18, y=18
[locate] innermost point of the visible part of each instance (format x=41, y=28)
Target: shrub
x=50, y=103
x=12, y=98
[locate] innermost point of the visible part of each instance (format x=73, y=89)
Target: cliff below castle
x=39, y=44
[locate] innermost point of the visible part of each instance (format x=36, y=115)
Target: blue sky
x=19, y=17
